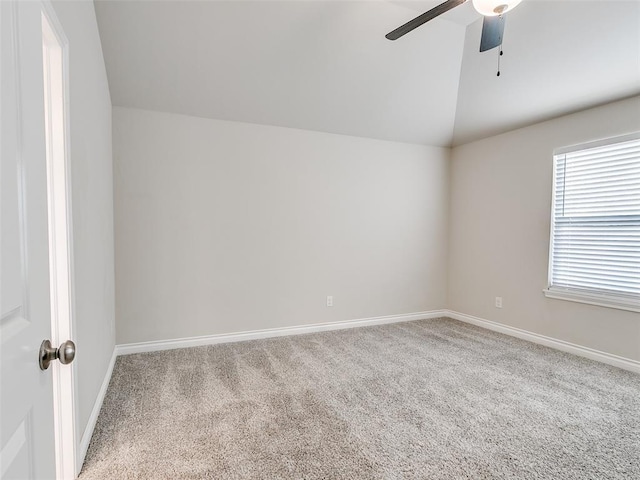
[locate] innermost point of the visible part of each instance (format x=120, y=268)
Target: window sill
x=601, y=300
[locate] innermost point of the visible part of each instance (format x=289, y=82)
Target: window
x=595, y=224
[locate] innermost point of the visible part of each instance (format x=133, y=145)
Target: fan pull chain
x=499, y=56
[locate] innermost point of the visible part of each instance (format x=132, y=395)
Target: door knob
x=65, y=353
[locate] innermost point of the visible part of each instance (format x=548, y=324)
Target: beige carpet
x=427, y=399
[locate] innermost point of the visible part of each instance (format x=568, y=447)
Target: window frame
x=608, y=300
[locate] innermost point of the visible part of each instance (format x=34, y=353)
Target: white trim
x=601, y=300
x=552, y=223
x=55, y=43
x=597, y=143
x=590, y=353
x=93, y=418
x=129, y=348
x=608, y=358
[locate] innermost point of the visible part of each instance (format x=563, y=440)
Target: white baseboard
x=608, y=358
x=590, y=353
x=93, y=418
x=129, y=348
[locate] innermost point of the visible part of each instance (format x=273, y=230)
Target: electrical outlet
x=498, y=302
x=329, y=301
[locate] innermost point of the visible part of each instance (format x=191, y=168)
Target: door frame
x=62, y=285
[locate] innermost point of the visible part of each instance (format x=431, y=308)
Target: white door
x=27, y=421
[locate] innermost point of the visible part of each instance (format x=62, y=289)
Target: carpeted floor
x=427, y=399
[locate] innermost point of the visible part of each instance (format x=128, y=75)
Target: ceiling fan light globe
x=491, y=8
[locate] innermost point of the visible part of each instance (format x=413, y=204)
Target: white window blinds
x=595, y=243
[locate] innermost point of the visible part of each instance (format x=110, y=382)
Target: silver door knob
x=65, y=353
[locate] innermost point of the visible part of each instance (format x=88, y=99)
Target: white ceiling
x=326, y=66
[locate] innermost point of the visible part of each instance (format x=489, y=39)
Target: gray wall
x=228, y=227
x=92, y=195
x=499, y=231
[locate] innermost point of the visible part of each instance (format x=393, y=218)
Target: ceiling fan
x=492, y=25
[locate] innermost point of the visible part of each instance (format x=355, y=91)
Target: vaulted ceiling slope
x=326, y=66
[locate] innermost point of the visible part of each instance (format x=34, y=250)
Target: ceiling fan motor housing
x=491, y=8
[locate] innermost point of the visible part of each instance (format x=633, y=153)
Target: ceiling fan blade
x=492, y=32
x=424, y=18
